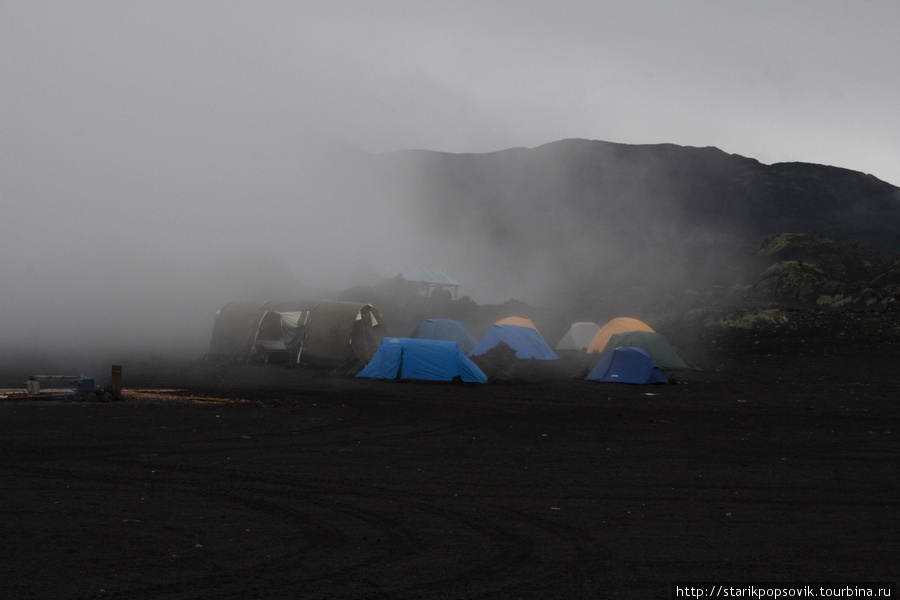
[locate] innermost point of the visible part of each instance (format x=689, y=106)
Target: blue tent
x=626, y=364
x=657, y=346
x=427, y=360
x=446, y=329
x=527, y=342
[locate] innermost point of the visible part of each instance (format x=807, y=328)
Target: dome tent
x=614, y=326
x=446, y=329
x=425, y=360
x=627, y=365
x=520, y=321
x=527, y=342
x=654, y=344
x=579, y=336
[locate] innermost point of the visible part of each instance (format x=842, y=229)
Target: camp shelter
x=422, y=359
x=280, y=334
x=428, y=279
x=520, y=321
x=627, y=364
x=341, y=334
x=655, y=344
x=579, y=336
x=446, y=329
x=527, y=342
x=614, y=326
x=234, y=330
x=242, y=330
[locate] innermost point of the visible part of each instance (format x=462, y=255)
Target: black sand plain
x=776, y=459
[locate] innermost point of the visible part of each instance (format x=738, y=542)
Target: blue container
x=84, y=386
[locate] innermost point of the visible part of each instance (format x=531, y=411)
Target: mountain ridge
x=575, y=211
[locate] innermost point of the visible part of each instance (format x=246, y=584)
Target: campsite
x=773, y=458
x=398, y=440
x=447, y=300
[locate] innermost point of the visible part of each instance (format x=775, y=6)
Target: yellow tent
x=617, y=325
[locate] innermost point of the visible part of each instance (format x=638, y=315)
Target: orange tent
x=520, y=321
x=617, y=325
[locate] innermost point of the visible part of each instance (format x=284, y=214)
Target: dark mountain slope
x=583, y=216
x=665, y=184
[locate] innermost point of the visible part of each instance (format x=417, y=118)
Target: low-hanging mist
x=132, y=269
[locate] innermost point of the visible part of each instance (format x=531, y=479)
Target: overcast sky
x=120, y=122
x=811, y=80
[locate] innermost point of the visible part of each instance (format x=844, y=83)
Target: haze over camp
x=514, y=299
x=162, y=159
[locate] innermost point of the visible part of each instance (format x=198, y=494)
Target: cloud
x=145, y=139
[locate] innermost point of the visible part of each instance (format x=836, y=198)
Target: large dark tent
x=280, y=334
x=426, y=360
x=341, y=335
x=330, y=334
x=234, y=331
x=245, y=331
x=446, y=329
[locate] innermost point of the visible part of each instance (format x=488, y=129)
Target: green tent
x=332, y=334
x=242, y=330
x=654, y=344
x=341, y=335
x=233, y=331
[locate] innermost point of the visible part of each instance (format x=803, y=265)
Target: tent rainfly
x=520, y=321
x=627, y=365
x=422, y=359
x=579, y=336
x=617, y=325
x=655, y=344
x=527, y=342
x=446, y=329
